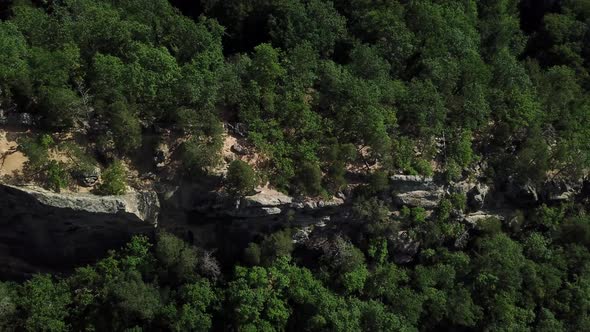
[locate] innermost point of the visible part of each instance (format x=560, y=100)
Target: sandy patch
x=11, y=160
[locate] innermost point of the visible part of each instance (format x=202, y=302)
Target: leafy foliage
x=241, y=178
x=114, y=180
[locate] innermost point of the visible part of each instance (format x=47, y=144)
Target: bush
x=57, y=176
x=460, y=149
x=403, y=154
x=198, y=155
x=241, y=178
x=252, y=254
x=379, y=181
x=453, y=171
x=459, y=201
x=276, y=245
x=423, y=167
x=37, y=151
x=309, y=177
x=114, y=180
x=126, y=127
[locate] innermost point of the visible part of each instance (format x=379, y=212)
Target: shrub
x=114, y=180
x=252, y=254
x=459, y=201
x=403, y=154
x=423, y=167
x=37, y=151
x=379, y=181
x=309, y=177
x=460, y=149
x=276, y=245
x=241, y=178
x=452, y=172
x=57, y=176
x=198, y=155
x=126, y=127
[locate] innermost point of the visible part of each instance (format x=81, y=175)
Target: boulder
x=402, y=183
x=474, y=218
x=427, y=199
x=416, y=191
x=162, y=155
x=314, y=204
x=560, y=190
x=239, y=149
x=476, y=196
x=405, y=248
x=87, y=177
x=521, y=194
x=266, y=198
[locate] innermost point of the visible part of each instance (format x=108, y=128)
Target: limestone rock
x=266, y=198
x=87, y=177
x=54, y=233
x=313, y=204
x=416, y=191
x=560, y=190
x=427, y=199
x=162, y=155
x=405, y=248
x=142, y=205
x=239, y=149
x=411, y=183
x=476, y=196
x=474, y=218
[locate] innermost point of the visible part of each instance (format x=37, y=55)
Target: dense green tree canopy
x=324, y=92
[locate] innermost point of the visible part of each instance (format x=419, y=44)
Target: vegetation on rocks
x=334, y=97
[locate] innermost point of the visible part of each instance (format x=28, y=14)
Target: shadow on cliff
x=38, y=238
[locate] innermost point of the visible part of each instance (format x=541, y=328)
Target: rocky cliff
x=44, y=231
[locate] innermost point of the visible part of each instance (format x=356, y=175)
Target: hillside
x=294, y=165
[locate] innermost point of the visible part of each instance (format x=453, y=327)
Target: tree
x=198, y=155
x=44, y=304
x=256, y=299
x=198, y=298
x=241, y=180
x=8, y=302
x=276, y=245
x=114, y=180
x=57, y=176
x=14, y=69
x=179, y=260
x=294, y=22
x=125, y=127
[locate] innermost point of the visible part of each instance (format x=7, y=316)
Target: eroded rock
x=87, y=177
x=476, y=196
x=47, y=232
x=405, y=248
x=416, y=191
x=144, y=206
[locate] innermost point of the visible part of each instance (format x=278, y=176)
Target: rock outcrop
x=41, y=231
x=476, y=196
x=265, y=203
x=560, y=190
x=416, y=191
x=144, y=206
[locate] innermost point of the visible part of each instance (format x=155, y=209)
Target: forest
x=491, y=90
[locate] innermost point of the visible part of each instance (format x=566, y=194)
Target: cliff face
x=42, y=231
